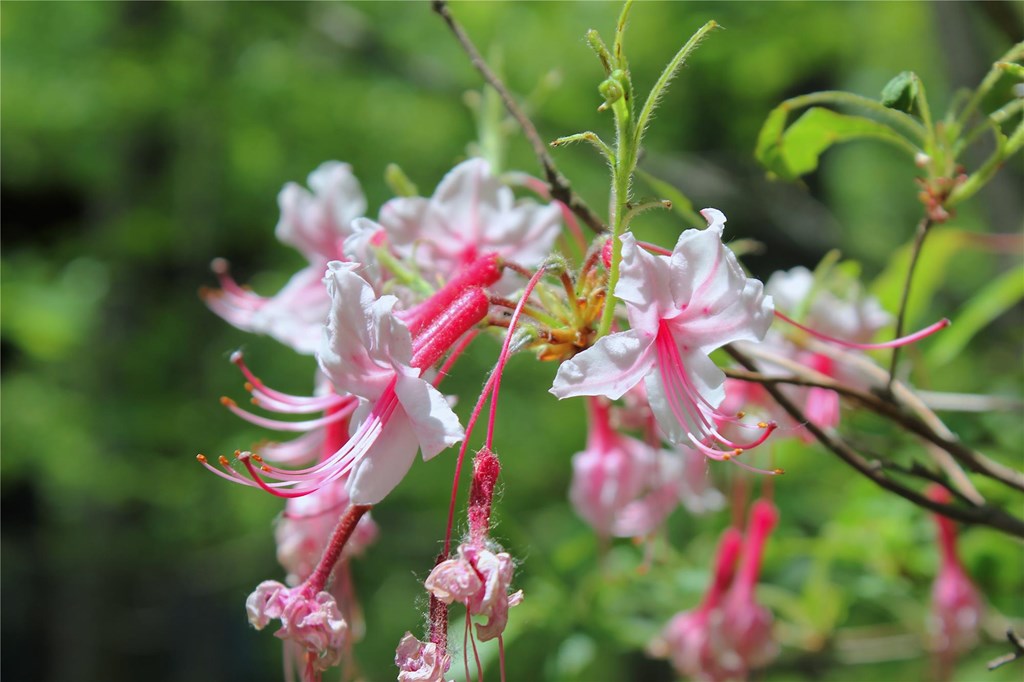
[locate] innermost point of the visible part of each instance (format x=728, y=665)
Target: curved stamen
x=279, y=425
x=258, y=386
x=895, y=343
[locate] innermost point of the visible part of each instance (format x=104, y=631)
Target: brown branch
x=922, y=231
x=1018, y=651
x=558, y=185
x=962, y=453
x=986, y=515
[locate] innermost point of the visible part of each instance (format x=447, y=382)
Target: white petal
x=355, y=350
x=386, y=463
x=315, y=223
x=435, y=425
x=678, y=412
x=296, y=315
x=610, y=367
x=644, y=284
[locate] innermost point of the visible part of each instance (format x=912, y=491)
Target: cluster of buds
x=729, y=633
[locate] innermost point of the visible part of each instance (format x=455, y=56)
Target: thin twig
x=903, y=397
x=961, y=452
x=1018, y=651
x=919, y=236
x=986, y=515
x=558, y=184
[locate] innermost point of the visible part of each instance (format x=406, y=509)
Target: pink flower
x=834, y=305
x=729, y=633
x=316, y=224
x=680, y=308
x=478, y=578
x=744, y=631
x=471, y=213
x=312, y=622
x=369, y=355
x=624, y=487
x=956, y=606
x=687, y=640
x=420, y=662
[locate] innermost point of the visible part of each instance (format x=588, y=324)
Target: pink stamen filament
x=230, y=287
x=686, y=404
x=895, y=343
x=654, y=248
x=280, y=425
x=506, y=351
x=259, y=387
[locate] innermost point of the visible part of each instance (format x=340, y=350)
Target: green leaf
x=795, y=152
x=769, y=140
x=992, y=301
x=901, y=91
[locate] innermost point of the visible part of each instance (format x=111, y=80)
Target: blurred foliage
x=140, y=140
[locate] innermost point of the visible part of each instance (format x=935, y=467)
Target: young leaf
x=901, y=91
x=819, y=129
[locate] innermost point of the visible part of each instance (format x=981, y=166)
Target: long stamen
x=279, y=425
x=895, y=343
x=506, y=351
x=258, y=386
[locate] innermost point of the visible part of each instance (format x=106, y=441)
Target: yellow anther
x=778, y=472
x=762, y=425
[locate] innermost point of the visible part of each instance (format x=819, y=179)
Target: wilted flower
x=479, y=579
x=313, y=622
x=420, y=662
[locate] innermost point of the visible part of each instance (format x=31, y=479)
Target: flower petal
x=386, y=462
x=431, y=418
x=610, y=367
x=315, y=223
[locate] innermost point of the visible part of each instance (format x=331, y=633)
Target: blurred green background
x=140, y=140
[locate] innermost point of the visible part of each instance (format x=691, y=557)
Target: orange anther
x=223, y=461
x=201, y=458
x=226, y=401
x=778, y=472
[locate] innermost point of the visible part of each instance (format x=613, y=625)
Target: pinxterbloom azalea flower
x=369, y=356
x=680, y=308
x=471, y=213
x=315, y=223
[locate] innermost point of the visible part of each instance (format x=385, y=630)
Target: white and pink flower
x=471, y=213
x=316, y=224
x=680, y=308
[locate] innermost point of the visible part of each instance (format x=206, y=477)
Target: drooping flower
x=420, y=662
x=680, y=308
x=729, y=633
x=624, y=487
x=956, y=611
x=743, y=633
x=316, y=224
x=687, y=640
x=479, y=579
x=470, y=213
